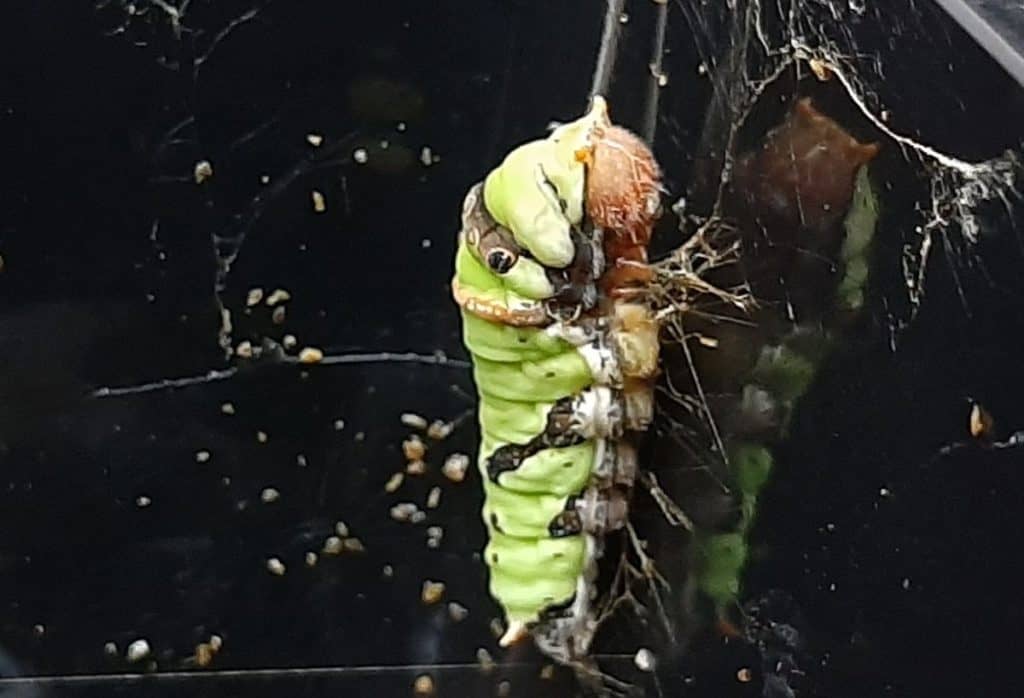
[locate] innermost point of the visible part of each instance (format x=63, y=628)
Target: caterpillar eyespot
x=501, y=260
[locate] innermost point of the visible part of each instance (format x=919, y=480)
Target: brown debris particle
x=431, y=592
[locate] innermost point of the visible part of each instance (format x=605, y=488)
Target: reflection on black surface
x=881, y=558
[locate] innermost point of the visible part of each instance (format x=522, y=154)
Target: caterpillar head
x=538, y=191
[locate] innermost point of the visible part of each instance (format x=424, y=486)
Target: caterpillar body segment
x=563, y=367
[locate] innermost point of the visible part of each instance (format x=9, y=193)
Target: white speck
x=202, y=456
x=264, y=179
x=400, y=126
x=275, y=566
x=311, y=559
x=216, y=642
x=457, y=612
x=202, y=171
x=455, y=467
x=832, y=587
x=388, y=571
x=279, y=295
x=644, y=659
x=440, y=429
x=137, y=651
x=434, y=498
x=483, y=657
x=906, y=583
x=319, y=203
x=262, y=437
x=624, y=18
x=310, y=355
x=416, y=467
x=360, y=156
x=413, y=420
x=339, y=424
x=434, y=536
x=384, y=144
x=227, y=408
x=110, y=649
x=142, y=501
x=431, y=592
x=884, y=492
x=254, y=296
x=269, y=495
x=425, y=243
x=701, y=69
x=289, y=341
x=333, y=545
x=39, y=629
x=244, y=349
x=300, y=460
x=426, y=157
x=341, y=528
x=394, y=482
x=314, y=139
x=404, y=511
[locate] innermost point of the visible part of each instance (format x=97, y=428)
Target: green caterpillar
x=548, y=366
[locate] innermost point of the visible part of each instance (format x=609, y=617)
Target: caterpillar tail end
x=517, y=630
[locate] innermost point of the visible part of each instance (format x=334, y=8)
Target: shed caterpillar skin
x=562, y=364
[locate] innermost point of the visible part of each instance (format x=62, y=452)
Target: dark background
x=108, y=278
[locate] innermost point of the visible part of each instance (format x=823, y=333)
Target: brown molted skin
x=623, y=197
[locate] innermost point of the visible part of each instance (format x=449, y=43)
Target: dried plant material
x=431, y=592
x=311, y=559
x=434, y=498
x=244, y=349
x=310, y=355
x=457, y=612
x=137, y=650
x=333, y=546
x=278, y=295
x=413, y=420
x=394, y=482
x=414, y=448
x=744, y=675
x=644, y=659
x=204, y=654
x=484, y=659
x=416, y=467
x=314, y=139
x=275, y=566
x=202, y=171
x=254, y=296
x=269, y=495
x=440, y=429
x=547, y=672
x=278, y=316
x=455, y=467
x=982, y=424
x=289, y=342
x=423, y=685
x=227, y=408
x=319, y=204
x=706, y=341
x=341, y=528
